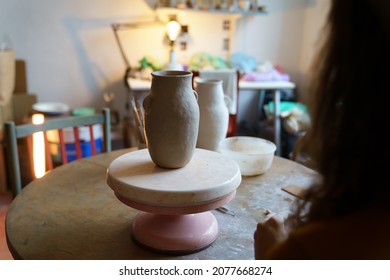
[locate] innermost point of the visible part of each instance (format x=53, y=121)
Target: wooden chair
x=61, y=125
x=230, y=81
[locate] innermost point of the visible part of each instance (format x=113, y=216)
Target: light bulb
x=173, y=30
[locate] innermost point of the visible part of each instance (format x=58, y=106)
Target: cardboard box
x=3, y=177
x=20, y=77
x=22, y=107
x=17, y=110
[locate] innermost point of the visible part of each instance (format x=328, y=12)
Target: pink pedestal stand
x=175, y=203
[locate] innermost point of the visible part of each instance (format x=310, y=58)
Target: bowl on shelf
x=253, y=155
x=51, y=108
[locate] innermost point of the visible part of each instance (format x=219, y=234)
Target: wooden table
x=71, y=213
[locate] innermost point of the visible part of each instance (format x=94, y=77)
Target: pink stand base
x=175, y=234
x=176, y=230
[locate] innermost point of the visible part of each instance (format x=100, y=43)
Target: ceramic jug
x=171, y=118
x=214, y=114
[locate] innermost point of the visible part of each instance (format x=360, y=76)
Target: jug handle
x=227, y=100
x=146, y=103
x=196, y=94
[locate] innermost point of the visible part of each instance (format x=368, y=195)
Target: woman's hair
x=349, y=115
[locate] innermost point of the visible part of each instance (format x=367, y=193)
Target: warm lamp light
x=173, y=29
x=39, y=148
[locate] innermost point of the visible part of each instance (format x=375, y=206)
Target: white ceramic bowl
x=253, y=155
x=51, y=108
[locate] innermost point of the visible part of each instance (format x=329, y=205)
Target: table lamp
x=116, y=27
x=173, y=30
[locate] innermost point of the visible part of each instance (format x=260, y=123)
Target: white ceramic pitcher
x=171, y=118
x=214, y=114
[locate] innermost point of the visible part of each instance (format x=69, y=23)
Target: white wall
x=69, y=46
x=72, y=55
x=315, y=17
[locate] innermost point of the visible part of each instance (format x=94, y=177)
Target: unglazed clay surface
x=208, y=177
x=171, y=118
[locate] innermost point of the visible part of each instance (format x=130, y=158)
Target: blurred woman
x=347, y=214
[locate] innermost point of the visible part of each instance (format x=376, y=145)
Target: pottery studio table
x=71, y=213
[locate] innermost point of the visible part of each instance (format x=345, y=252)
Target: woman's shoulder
x=363, y=234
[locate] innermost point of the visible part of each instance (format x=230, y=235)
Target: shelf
x=212, y=11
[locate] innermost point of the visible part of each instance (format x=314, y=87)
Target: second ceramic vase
x=214, y=115
x=171, y=118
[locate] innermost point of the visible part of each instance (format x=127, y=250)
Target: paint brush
x=138, y=119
